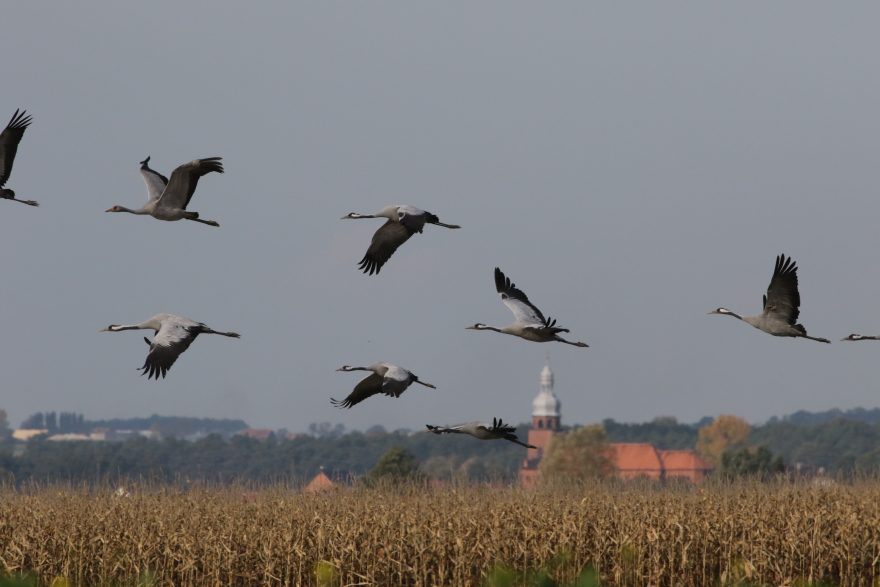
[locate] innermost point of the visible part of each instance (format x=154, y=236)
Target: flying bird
x=530, y=323
x=9, y=139
x=403, y=222
x=168, y=199
x=496, y=430
x=385, y=378
x=860, y=337
x=781, y=304
x=174, y=334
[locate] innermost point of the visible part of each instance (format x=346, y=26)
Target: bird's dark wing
x=9, y=139
x=500, y=427
x=385, y=241
x=171, y=340
x=783, y=299
x=369, y=386
x=507, y=432
x=517, y=301
x=184, y=179
x=414, y=222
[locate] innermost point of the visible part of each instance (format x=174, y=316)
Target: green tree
x=396, y=464
x=663, y=432
x=751, y=462
x=583, y=453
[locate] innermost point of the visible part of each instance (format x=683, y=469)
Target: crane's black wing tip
x=370, y=266
x=20, y=120
x=785, y=264
x=153, y=371
x=502, y=282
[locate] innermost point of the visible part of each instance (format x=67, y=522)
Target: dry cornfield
x=779, y=534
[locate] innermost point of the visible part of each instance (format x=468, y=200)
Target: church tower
x=545, y=423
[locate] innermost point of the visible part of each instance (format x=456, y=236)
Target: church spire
x=546, y=403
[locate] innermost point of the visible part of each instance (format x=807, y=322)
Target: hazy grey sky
x=629, y=167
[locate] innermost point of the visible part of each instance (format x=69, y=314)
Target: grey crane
x=497, y=430
x=781, y=304
x=174, y=334
x=9, y=139
x=168, y=199
x=530, y=323
x=403, y=222
x=855, y=336
x=386, y=378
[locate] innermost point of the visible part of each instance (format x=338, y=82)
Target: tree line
x=829, y=441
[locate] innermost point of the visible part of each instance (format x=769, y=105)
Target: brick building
x=631, y=459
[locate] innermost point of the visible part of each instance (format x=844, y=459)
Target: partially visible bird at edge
x=855, y=336
x=9, y=140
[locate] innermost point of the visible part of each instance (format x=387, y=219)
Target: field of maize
x=615, y=534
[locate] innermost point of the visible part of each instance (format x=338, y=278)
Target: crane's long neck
x=121, y=327
x=726, y=312
x=139, y=211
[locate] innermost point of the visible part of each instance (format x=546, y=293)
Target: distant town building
x=25, y=434
x=319, y=483
x=255, y=433
x=545, y=423
x=68, y=437
x=631, y=460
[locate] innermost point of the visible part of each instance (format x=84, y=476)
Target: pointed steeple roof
x=546, y=403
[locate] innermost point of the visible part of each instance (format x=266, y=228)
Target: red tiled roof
x=255, y=433
x=683, y=460
x=319, y=483
x=636, y=456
